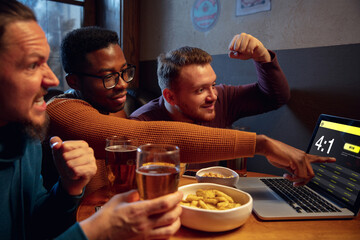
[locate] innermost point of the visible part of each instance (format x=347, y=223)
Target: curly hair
x=13, y=11
x=79, y=42
x=170, y=64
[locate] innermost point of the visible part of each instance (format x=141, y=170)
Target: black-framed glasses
x=111, y=80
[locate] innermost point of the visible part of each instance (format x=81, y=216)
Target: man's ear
x=169, y=96
x=73, y=81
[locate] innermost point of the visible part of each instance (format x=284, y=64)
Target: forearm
x=91, y=230
x=272, y=81
x=75, y=119
x=262, y=145
x=265, y=58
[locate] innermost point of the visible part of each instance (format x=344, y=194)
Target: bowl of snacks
x=214, y=208
x=218, y=175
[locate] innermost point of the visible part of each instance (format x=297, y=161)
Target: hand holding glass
x=157, y=170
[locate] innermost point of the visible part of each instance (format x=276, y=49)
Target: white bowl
x=216, y=220
x=230, y=176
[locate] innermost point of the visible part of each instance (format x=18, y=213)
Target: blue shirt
x=27, y=210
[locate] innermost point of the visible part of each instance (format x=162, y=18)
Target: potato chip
x=205, y=193
x=219, y=193
x=203, y=205
x=222, y=205
x=217, y=175
x=192, y=197
x=213, y=201
x=210, y=199
x=194, y=203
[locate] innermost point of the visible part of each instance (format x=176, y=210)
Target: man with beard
x=27, y=210
x=190, y=94
x=99, y=74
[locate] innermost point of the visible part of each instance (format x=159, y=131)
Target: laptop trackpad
x=260, y=194
x=257, y=189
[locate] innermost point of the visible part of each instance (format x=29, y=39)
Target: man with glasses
x=83, y=74
x=111, y=80
x=27, y=210
x=84, y=113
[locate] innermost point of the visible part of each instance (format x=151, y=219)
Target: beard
x=37, y=131
x=196, y=116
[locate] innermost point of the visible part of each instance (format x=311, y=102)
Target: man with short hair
x=28, y=211
x=190, y=93
x=98, y=74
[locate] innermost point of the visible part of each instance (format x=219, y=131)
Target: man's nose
x=49, y=78
x=212, y=94
x=121, y=84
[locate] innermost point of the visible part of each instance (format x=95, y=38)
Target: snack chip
x=217, y=175
x=210, y=199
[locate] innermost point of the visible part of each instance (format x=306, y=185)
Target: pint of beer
x=157, y=170
x=120, y=164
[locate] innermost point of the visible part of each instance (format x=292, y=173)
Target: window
x=56, y=19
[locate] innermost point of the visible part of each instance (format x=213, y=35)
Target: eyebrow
x=204, y=85
x=110, y=70
x=31, y=57
x=35, y=55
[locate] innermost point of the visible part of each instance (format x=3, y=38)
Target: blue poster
x=204, y=14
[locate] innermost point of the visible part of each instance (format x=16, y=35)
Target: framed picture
x=245, y=7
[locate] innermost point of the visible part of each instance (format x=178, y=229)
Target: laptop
x=335, y=187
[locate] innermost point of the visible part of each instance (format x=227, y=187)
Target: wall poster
x=245, y=7
x=204, y=14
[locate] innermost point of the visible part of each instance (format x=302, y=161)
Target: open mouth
x=40, y=104
x=209, y=107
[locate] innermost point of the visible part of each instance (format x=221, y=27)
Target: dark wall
x=322, y=80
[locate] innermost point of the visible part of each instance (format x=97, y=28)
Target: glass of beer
x=239, y=164
x=120, y=164
x=157, y=170
x=182, y=168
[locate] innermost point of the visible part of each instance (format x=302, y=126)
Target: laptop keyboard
x=299, y=198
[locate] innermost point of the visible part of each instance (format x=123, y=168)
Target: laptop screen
x=340, y=138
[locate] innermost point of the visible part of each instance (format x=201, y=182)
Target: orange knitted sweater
x=73, y=119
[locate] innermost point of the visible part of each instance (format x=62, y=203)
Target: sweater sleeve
x=272, y=81
x=270, y=92
x=55, y=212
x=73, y=119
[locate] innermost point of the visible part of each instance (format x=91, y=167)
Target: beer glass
x=239, y=164
x=182, y=168
x=157, y=170
x=120, y=164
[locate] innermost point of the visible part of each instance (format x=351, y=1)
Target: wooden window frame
x=129, y=27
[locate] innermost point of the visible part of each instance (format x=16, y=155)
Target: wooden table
x=254, y=228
